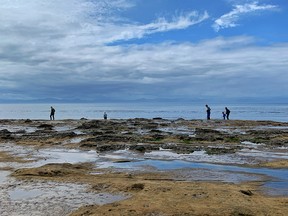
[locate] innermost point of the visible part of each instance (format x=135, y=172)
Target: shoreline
x=189, y=111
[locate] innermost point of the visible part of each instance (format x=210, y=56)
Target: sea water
x=144, y=110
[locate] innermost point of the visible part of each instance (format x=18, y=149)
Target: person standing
x=105, y=115
x=227, y=113
x=208, y=110
x=224, y=115
x=52, y=113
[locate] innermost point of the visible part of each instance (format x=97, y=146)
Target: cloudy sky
x=98, y=50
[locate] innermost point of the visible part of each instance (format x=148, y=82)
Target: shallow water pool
x=275, y=180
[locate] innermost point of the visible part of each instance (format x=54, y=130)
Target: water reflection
x=276, y=180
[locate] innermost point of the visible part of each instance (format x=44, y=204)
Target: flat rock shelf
x=143, y=167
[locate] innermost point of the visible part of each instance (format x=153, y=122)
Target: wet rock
x=114, y=147
x=204, y=134
x=213, y=151
x=184, y=149
x=277, y=143
x=268, y=132
x=143, y=148
x=157, y=137
x=200, y=131
x=51, y=173
x=232, y=139
x=45, y=126
x=122, y=161
x=97, y=133
x=266, y=136
x=168, y=145
x=141, y=120
x=100, y=187
x=65, y=135
x=103, y=148
x=6, y=135
x=111, y=138
x=88, y=145
x=165, y=124
x=138, y=148
x=183, y=137
x=4, y=132
x=179, y=119
x=136, y=187
x=109, y=132
x=150, y=126
x=155, y=131
x=50, y=137
x=91, y=124
x=51, y=170
x=247, y=192
x=20, y=131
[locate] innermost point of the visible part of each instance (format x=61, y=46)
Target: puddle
x=251, y=144
x=17, y=128
x=196, y=156
x=263, y=155
x=64, y=156
x=3, y=176
x=242, y=157
x=214, y=175
x=179, y=130
x=20, y=194
x=278, y=178
x=282, y=148
x=78, y=132
x=44, y=156
x=74, y=140
x=276, y=188
x=231, y=130
x=272, y=127
x=49, y=198
x=63, y=128
x=121, y=155
x=96, y=173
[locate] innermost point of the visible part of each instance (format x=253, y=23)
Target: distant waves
x=125, y=111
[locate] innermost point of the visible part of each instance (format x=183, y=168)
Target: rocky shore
x=35, y=153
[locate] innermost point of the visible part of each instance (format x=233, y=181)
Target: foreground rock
x=148, y=193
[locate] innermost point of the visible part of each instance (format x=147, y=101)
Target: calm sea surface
x=128, y=110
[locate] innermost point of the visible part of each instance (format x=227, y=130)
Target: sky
x=158, y=50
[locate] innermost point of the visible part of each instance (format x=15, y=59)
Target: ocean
x=170, y=111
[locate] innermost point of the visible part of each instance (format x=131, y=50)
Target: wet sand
x=87, y=167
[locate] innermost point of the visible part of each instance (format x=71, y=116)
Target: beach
x=143, y=166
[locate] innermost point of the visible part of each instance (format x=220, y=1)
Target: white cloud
x=229, y=20
x=181, y=22
x=40, y=33
x=60, y=47
x=46, y=44
x=167, y=68
x=71, y=23
x=113, y=32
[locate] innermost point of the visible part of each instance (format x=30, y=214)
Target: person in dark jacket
x=52, y=113
x=208, y=110
x=227, y=113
